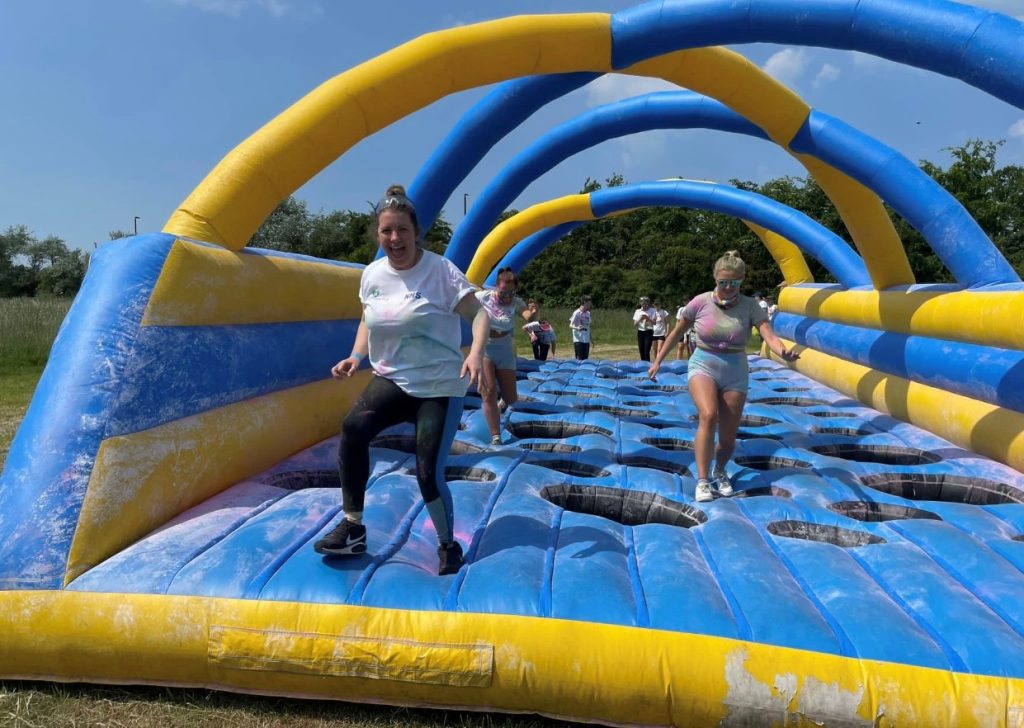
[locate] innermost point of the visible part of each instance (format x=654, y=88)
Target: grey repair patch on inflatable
x=755, y=703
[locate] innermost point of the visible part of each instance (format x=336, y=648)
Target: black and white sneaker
x=450, y=558
x=346, y=539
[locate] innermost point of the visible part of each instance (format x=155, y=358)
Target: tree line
x=663, y=252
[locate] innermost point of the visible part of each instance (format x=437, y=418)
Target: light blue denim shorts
x=729, y=371
x=502, y=352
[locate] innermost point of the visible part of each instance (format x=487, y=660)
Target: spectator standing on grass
x=718, y=370
x=579, y=322
x=542, y=338
x=410, y=329
x=685, y=346
x=660, y=328
x=643, y=321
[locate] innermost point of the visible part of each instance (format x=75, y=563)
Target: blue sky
x=119, y=108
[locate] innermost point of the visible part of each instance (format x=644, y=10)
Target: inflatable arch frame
x=825, y=246
x=923, y=202
x=143, y=427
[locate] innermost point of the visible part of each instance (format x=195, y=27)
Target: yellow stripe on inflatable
x=739, y=84
x=142, y=480
x=788, y=257
x=206, y=286
x=606, y=673
x=538, y=217
x=243, y=189
x=989, y=318
x=995, y=432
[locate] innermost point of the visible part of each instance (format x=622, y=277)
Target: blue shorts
x=729, y=371
x=502, y=352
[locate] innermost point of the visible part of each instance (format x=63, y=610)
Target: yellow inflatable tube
x=498, y=662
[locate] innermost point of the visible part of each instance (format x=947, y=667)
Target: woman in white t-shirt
x=579, y=322
x=718, y=371
x=660, y=328
x=643, y=322
x=502, y=305
x=410, y=329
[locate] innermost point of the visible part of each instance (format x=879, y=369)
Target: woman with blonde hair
x=718, y=372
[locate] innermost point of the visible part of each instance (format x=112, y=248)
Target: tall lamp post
x=136, y=224
x=465, y=202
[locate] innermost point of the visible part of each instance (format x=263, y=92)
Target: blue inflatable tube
x=813, y=239
x=977, y=46
x=667, y=110
x=950, y=230
x=530, y=247
x=986, y=373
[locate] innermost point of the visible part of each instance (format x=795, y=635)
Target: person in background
x=579, y=322
x=542, y=337
x=685, y=346
x=772, y=310
x=643, y=321
x=718, y=370
x=502, y=305
x=660, y=330
x=533, y=309
x=410, y=330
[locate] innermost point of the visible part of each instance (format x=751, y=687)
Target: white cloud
x=826, y=75
x=788, y=65
x=613, y=87
x=1017, y=130
x=234, y=8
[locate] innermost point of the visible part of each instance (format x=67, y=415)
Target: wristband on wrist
x=357, y=356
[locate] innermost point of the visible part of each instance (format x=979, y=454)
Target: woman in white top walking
x=412, y=302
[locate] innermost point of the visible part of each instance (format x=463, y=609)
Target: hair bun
x=395, y=191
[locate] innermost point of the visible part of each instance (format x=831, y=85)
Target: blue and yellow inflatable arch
x=159, y=502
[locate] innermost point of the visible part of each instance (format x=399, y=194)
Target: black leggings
x=582, y=350
x=383, y=404
x=540, y=351
x=644, y=339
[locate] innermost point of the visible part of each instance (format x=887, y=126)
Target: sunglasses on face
x=730, y=283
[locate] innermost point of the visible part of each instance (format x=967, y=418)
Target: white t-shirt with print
x=415, y=337
x=581, y=319
x=502, y=317
x=544, y=336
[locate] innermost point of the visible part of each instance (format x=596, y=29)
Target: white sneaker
x=495, y=440
x=723, y=485
x=703, y=493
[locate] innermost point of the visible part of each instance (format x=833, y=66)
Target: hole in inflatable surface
x=757, y=421
x=843, y=537
x=764, y=491
x=884, y=454
x=878, y=512
x=945, y=488
x=573, y=468
x=666, y=466
x=549, y=447
x=748, y=435
x=628, y=507
x=829, y=413
x=553, y=429
x=771, y=462
x=668, y=443
x=790, y=401
x=615, y=411
x=845, y=431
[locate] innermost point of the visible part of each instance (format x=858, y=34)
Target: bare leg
x=507, y=385
x=704, y=392
x=730, y=410
x=489, y=394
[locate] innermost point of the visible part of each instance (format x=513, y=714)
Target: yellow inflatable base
x=609, y=674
